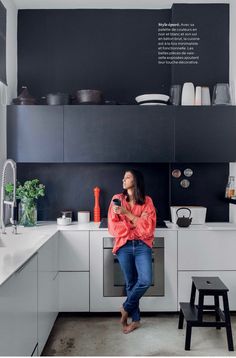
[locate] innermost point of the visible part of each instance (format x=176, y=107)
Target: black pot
x=57, y=99
x=183, y=221
x=24, y=97
x=89, y=96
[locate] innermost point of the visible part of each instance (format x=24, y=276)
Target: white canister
x=83, y=217
x=188, y=94
x=206, y=99
x=198, y=96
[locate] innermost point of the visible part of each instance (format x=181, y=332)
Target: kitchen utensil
x=24, y=97
x=183, y=221
x=221, y=94
x=96, y=210
x=185, y=183
x=198, y=213
x=66, y=214
x=152, y=98
x=176, y=173
x=198, y=96
x=188, y=94
x=89, y=96
x=188, y=172
x=175, y=95
x=83, y=217
x=55, y=99
x=206, y=99
x=64, y=221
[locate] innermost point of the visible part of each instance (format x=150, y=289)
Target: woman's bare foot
x=124, y=316
x=131, y=327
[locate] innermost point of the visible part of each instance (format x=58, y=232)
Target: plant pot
x=27, y=212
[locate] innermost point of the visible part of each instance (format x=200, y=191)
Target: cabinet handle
x=55, y=276
x=25, y=263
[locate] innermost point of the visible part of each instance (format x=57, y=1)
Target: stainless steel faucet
x=7, y=202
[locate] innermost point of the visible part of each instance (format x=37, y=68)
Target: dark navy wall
x=70, y=186
x=111, y=50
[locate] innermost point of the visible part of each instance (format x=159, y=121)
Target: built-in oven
x=113, y=280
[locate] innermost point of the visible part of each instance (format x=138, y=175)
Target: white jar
x=83, y=217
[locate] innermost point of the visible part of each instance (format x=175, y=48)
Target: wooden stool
x=207, y=286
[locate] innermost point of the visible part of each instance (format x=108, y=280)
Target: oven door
x=113, y=280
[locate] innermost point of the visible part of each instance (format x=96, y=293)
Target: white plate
x=152, y=97
x=153, y=104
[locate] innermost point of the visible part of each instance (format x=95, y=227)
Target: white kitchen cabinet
x=47, y=289
x=101, y=303
x=18, y=311
x=74, y=251
x=185, y=284
x=206, y=250
x=74, y=291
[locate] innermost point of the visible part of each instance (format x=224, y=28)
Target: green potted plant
x=28, y=193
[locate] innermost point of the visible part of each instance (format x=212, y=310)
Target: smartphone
x=116, y=202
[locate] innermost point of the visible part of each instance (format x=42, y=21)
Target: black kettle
x=183, y=221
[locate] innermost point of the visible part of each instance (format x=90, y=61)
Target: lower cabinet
x=185, y=283
x=47, y=290
x=74, y=291
x=18, y=312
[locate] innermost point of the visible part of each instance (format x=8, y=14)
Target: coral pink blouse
x=123, y=230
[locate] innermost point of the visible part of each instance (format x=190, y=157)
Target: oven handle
x=108, y=242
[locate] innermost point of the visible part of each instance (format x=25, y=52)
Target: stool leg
x=217, y=306
x=193, y=294
x=188, y=337
x=200, y=306
x=228, y=322
x=181, y=319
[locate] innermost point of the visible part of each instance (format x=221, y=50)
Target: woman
x=133, y=224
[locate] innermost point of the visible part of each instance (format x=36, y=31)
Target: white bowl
x=152, y=97
x=64, y=221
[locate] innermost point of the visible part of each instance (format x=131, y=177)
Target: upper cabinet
x=205, y=134
x=35, y=133
x=118, y=134
x=121, y=134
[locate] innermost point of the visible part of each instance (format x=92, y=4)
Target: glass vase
x=27, y=212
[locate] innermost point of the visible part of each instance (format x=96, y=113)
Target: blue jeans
x=135, y=259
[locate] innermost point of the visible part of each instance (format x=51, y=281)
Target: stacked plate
x=152, y=99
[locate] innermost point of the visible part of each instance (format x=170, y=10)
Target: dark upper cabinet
x=205, y=134
x=121, y=134
x=35, y=133
x=118, y=134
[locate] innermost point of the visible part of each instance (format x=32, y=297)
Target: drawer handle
x=55, y=276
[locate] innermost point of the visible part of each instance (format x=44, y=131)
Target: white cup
x=83, y=217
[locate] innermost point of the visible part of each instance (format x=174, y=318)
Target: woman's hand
x=120, y=210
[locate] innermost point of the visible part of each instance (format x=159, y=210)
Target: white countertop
x=15, y=250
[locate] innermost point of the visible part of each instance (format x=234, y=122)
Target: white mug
x=83, y=217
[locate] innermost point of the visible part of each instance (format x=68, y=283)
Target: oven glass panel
x=113, y=279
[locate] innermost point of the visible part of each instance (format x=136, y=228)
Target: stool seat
x=209, y=283
x=193, y=314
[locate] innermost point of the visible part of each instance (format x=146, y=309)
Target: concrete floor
x=100, y=335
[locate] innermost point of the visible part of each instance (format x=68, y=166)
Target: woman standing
x=133, y=224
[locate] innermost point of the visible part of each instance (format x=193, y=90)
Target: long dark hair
x=139, y=187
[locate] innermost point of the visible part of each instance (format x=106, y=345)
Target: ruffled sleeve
x=118, y=226
x=146, y=223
